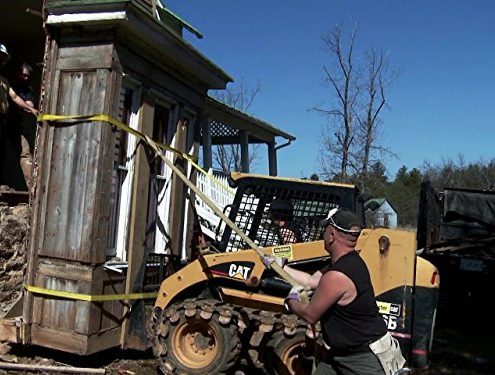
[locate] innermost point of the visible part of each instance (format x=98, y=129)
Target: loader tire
x=289, y=355
x=191, y=342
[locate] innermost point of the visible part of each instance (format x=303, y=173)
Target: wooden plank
x=90, y=57
x=66, y=341
x=177, y=200
x=138, y=215
x=71, y=342
x=192, y=148
x=109, y=86
x=70, y=205
x=64, y=270
x=108, y=314
x=10, y=331
x=41, y=159
x=78, y=194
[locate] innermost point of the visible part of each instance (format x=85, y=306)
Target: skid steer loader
x=225, y=306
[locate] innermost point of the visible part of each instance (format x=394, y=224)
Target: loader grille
x=309, y=204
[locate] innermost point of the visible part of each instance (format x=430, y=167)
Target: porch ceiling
x=226, y=123
x=22, y=23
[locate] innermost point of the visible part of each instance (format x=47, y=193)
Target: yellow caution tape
x=140, y=135
x=88, y=297
x=114, y=122
x=111, y=120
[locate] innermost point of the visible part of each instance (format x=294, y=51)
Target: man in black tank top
x=344, y=302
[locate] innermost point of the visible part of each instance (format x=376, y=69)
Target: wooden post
x=244, y=140
x=207, y=152
x=177, y=193
x=272, y=159
x=137, y=222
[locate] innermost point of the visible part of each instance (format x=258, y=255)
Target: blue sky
x=440, y=107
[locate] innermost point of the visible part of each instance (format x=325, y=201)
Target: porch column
x=244, y=140
x=272, y=159
x=207, y=153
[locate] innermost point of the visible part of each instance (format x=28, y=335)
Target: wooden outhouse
x=107, y=217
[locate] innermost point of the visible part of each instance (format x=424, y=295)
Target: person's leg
x=12, y=172
x=324, y=368
x=359, y=363
x=26, y=161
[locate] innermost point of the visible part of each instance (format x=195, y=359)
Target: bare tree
x=241, y=97
x=352, y=137
x=376, y=79
x=341, y=78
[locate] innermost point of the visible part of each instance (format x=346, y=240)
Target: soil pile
x=13, y=231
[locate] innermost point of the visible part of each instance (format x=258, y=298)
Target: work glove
x=268, y=260
x=294, y=295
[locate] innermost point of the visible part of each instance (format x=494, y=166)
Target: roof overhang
x=226, y=122
x=136, y=23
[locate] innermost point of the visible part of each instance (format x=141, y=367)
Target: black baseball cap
x=343, y=220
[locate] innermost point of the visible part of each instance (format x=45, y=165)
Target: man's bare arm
x=331, y=289
x=303, y=278
x=21, y=103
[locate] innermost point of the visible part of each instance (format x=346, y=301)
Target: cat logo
x=239, y=272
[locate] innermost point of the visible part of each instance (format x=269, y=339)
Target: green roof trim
x=380, y=201
x=162, y=9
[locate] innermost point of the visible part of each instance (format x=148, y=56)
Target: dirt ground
x=464, y=341
x=457, y=349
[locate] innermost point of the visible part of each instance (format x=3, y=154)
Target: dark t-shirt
x=24, y=91
x=27, y=94
x=19, y=121
x=359, y=322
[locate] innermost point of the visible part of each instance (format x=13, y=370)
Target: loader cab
x=309, y=201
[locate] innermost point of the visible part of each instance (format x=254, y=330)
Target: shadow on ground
x=464, y=341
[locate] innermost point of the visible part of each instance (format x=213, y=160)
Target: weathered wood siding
x=71, y=208
x=75, y=204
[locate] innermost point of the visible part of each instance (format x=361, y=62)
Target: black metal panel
x=310, y=202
